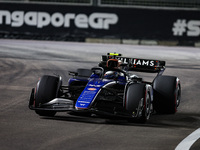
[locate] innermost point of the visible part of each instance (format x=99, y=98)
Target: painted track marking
x=189, y=140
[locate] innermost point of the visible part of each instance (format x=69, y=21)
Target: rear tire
x=167, y=94
x=46, y=91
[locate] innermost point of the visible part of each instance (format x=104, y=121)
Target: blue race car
x=110, y=90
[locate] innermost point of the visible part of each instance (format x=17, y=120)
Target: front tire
x=138, y=96
x=46, y=91
x=146, y=112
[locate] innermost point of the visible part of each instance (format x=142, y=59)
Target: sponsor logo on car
x=137, y=62
x=92, y=89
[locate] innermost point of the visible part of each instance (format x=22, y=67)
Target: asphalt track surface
x=22, y=62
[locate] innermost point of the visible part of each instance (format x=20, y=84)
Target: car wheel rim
x=178, y=96
x=148, y=106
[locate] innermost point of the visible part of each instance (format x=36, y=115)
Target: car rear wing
x=136, y=64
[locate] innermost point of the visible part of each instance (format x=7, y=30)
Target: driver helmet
x=110, y=75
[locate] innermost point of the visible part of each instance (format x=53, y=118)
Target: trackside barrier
x=100, y=24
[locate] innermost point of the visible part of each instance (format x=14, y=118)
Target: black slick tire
x=137, y=94
x=167, y=94
x=45, y=92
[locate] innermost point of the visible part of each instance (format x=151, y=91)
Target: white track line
x=189, y=140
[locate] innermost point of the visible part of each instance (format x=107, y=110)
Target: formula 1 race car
x=110, y=90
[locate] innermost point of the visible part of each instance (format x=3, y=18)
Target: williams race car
x=110, y=90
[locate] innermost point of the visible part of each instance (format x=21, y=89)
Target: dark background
x=133, y=23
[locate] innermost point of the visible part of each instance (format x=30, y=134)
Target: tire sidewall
x=166, y=89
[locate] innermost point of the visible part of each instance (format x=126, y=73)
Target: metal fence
x=63, y=1
x=75, y=2
x=122, y=3
x=70, y=1
x=155, y=3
